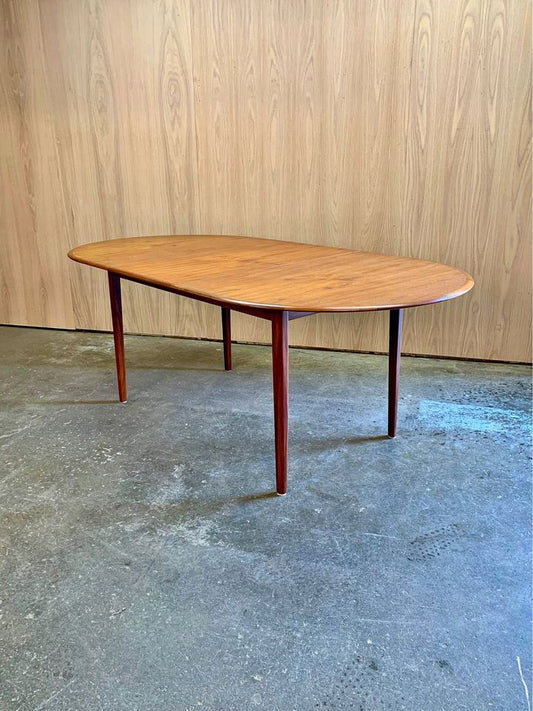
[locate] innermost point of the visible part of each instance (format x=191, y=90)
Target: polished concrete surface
x=145, y=563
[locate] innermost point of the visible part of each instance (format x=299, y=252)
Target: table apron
x=268, y=314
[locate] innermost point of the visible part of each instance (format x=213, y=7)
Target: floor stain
x=434, y=543
x=357, y=686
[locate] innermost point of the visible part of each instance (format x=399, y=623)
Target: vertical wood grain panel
x=402, y=127
x=508, y=81
x=139, y=173
x=34, y=286
x=362, y=147
x=467, y=102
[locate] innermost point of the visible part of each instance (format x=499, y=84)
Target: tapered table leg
x=118, y=334
x=395, y=345
x=280, y=372
x=226, y=336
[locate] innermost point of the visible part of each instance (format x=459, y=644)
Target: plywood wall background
x=400, y=126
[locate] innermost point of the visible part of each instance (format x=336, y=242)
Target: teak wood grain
x=276, y=274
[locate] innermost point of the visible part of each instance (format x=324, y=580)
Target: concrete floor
x=145, y=564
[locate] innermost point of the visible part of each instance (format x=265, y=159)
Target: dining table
x=279, y=281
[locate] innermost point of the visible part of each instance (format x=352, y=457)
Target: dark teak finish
x=118, y=334
x=280, y=373
x=226, y=336
x=395, y=344
x=278, y=281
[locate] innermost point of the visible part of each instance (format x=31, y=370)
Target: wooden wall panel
x=402, y=127
x=468, y=110
x=34, y=283
x=128, y=123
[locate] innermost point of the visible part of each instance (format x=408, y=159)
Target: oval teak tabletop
x=275, y=274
